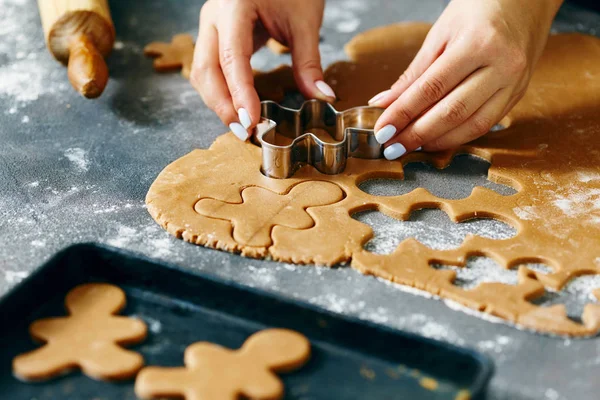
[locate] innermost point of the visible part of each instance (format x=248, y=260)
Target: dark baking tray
x=351, y=359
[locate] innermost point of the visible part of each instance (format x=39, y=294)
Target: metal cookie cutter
x=351, y=130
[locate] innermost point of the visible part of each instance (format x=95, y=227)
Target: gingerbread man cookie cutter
x=215, y=372
x=351, y=130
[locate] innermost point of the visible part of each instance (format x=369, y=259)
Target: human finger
x=477, y=125
x=445, y=74
x=207, y=78
x=235, y=38
x=306, y=62
x=451, y=111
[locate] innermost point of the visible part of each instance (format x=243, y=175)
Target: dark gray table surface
x=74, y=170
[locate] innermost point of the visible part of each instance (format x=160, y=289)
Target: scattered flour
x=379, y=316
x=343, y=16
x=162, y=246
x=124, y=236
x=436, y=233
x=479, y=314
x=551, y=394
x=14, y=277
x=583, y=286
x=151, y=236
x=23, y=81
x=586, y=177
x=479, y=270
x=427, y=326
x=154, y=325
x=450, y=303
x=419, y=323
x=348, y=26
x=574, y=295
x=110, y=209
x=526, y=213
x=409, y=289
x=264, y=276
x=113, y=208
x=497, y=345
x=578, y=202
x=331, y=53
x=334, y=303
x=188, y=96
x=54, y=197
x=293, y=267
x=31, y=72
x=78, y=158
x=578, y=199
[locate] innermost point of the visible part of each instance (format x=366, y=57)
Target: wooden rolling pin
x=80, y=33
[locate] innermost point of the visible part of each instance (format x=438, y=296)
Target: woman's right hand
x=231, y=31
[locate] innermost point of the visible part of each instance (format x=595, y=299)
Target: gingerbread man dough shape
x=172, y=56
x=214, y=372
x=88, y=338
x=252, y=222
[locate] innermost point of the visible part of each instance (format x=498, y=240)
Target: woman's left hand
x=473, y=67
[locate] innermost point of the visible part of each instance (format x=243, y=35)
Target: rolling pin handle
x=87, y=69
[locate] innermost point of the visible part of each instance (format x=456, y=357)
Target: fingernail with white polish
x=418, y=149
x=244, y=118
x=379, y=96
x=385, y=133
x=325, y=89
x=394, y=151
x=239, y=131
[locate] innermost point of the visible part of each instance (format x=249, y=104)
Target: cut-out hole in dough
x=431, y=227
x=484, y=269
x=538, y=267
x=454, y=182
x=574, y=295
x=479, y=270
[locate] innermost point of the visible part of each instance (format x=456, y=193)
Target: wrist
x=541, y=12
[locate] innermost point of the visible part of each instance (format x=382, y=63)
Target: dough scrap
x=548, y=152
x=214, y=372
x=252, y=222
x=89, y=338
x=277, y=47
x=178, y=54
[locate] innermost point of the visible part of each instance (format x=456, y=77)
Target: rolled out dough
x=549, y=152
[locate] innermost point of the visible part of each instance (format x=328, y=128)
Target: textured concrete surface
x=73, y=170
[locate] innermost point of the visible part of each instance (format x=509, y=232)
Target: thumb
x=306, y=63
